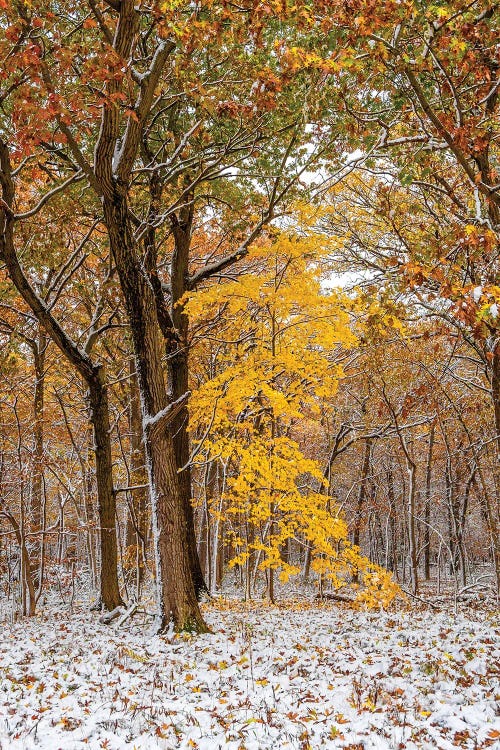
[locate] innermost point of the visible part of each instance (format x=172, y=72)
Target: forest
x=249, y=374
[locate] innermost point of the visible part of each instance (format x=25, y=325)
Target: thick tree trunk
x=137, y=527
x=174, y=324
x=99, y=417
x=178, y=376
x=115, y=153
x=176, y=593
x=178, y=596
x=178, y=366
x=489, y=516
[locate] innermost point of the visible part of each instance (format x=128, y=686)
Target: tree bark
x=489, y=515
x=174, y=325
x=495, y=395
x=137, y=528
x=176, y=593
x=178, y=376
x=38, y=405
x=99, y=416
x=427, y=507
x=493, y=510
x=38, y=349
x=362, y=495
x=391, y=560
x=412, y=539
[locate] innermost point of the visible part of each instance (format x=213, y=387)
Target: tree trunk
x=176, y=593
x=79, y=359
x=178, y=377
x=489, y=514
x=307, y=561
x=178, y=366
x=362, y=494
x=99, y=417
x=493, y=509
x=391, y=561
x=412, y=541
x=137, y=528
x=89, y=508
x=451, y=492
x=427, y=507
x=174, y=324
x=495, y=395
x=37, y=501
x=205, y=526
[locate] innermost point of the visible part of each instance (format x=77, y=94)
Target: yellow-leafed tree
x=280, y=331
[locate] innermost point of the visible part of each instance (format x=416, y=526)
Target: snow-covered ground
x=298, y=677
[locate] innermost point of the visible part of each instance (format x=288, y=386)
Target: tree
x=276, y=367
x=138, y=62
x=92, y=373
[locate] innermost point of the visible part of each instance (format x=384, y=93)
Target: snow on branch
x=166, y=415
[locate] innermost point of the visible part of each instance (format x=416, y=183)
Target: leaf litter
x=297, y=677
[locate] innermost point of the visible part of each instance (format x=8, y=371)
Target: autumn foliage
x=249, y=300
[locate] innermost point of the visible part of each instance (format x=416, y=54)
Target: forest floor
x=299, y=676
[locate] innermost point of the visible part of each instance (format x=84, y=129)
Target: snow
x=295, y=677
x=150, y=420
x=353, y=157
x=476, y=294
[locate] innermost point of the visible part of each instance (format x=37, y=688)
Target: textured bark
x=176, y=594
x=487, y=506
x=99, y=416
x=174, y=324
x=115, y=153
x=38, y=407
x=137, y=517
x=427, y=507
x=178, y=375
